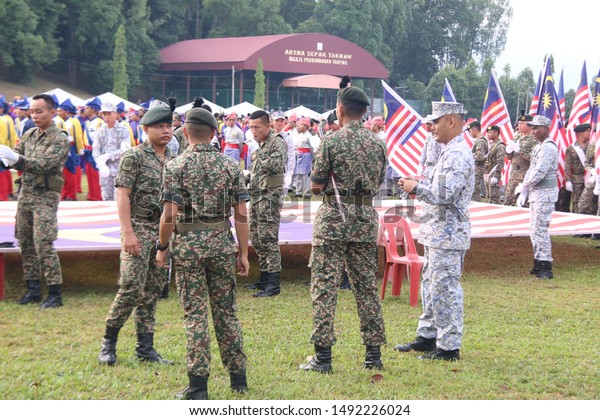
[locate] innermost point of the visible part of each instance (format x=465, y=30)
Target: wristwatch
x=160, y=247
x=414, y=190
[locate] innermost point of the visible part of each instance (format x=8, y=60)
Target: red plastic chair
x=395, y=233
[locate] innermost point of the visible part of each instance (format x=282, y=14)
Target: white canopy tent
x=185, y=108
x=242, y=109
x=114, y=99
x=63, y=95
x=302, y=111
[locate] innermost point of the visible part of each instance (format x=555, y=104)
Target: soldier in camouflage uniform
x=519, y=154
x=588, y=201
x=574, y=164
x=494, y=163
x=445, y=233
x=480, y=151
x=266, y=188
x=357, y=159
x=200, y=188
x=431, y=149
x=40, y=155
x=138, y=200
x=541, y=187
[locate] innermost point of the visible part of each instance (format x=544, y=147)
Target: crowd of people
x=178, y=179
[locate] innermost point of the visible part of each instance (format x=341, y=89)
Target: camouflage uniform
x=43, y=157
x=266, y=186
x=541, y=184
x=357, y=158
x=205, y=184
x=480, y=151
x=588, y=201
x=445, y=232
x=519, y=166
x=141, y=281
x=112, y=142
x=430, y=155
x=574, y=172
x=493, y=167
x=183, y=141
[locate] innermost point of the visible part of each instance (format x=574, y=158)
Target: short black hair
x=475, y=124
x=261, y=115
x=354, y=110
x=46, y=98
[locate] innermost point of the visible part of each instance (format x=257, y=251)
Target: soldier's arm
x=319, y=176
x=124, y=144
x=500, y=154
x=54, y=158
x=131, y=243
x=274, y=160
x=451, y=180
x=97, y=147
x=527, y=149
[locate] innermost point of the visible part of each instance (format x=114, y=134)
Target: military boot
x=165, y=292
x=238, y=382
x=108, y=351
x=320, y=362
x=419, y=344
x=373, y=358
x=261, y=284
x=33, y=293
x=447, y=355
x=273, y=288
x=196, y=390
x=536, y=267
x=145, y=350
x=54, y=299
x=345, y=284
x=545, y=271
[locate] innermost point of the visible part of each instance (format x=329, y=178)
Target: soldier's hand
x=132, y=244
x=243, y=265
x=407, y=184
x=161, y=258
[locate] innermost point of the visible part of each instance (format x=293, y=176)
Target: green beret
x=201, y=116
x=526, y=118
x=353, y=94
x=582, y=128
x=156, y=115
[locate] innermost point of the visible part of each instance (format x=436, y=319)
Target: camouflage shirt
x=141, y=171
x=495, y=159
x=446, y=195
x=480, y=151
x=268, y=165
x=205, y=184
x=357, y=159
x=522, y=159
x=43, y=154
x=183, y=142
x=574, y=169
x=542, y=172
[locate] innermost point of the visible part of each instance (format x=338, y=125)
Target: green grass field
x=524, y=338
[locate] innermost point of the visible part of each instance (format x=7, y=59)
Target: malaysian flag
x=448, y=96
x=581, y=110
x=496, y=113
x=535, y=101
x=404, y=131
x=561, y=97
x=549, y=107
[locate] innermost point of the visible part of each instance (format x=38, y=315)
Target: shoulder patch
x=127, y=163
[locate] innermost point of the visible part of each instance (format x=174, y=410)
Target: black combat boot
x=196, y=390
x=145, y=350
x=238, y=382
x=545, y=271
x=108, y=351
x=419, y=344
x=54, y=299
x=261, y=284
x=165, y=292
x=536, y=267
x=373, y=358
x=33, y=293
x=320, y=362
x=447, y=355
x=345, y=284
x=273, y=288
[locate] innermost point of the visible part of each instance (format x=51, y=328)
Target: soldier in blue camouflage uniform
x=357, y=160
x=266, y=189
x=200, y=188
x=41, y=155
x=138, y=185
x=446, y=235
x=431, y=149
x=541, y=187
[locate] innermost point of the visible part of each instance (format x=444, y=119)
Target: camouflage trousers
x=510, y=197
x=107, y=187
x=265, y=214
x=36, y=229
x=442, y=297
x=200, y=282
x=564, y=201
x=541, y=216
x=479, y=189
x=326, y=275
x=140, y=285
x=576, y=195
x=588, y=202
x=494, y=193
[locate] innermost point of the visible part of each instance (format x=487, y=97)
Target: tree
x=121, y=80
x=259, y=85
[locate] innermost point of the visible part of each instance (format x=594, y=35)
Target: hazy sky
x=568, y=30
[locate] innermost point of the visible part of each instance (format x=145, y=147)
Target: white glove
x=493, y=181
x=8, y=155
x=103, y=170
x=510, y=146
x=102, y=159
x=591, y=180
x=569, y=186
x=597, y=188
x=516, y=148
x=522, y=200
x=519, y=188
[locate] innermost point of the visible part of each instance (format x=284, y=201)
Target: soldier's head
x=278, y=121
x=448, y=120
x=540, y=127
x=108, y=112
x=260, y=125
x=352, y=103
x=42, y=111
x=522, y=124
x=158, y=125
x=493, y=132
x=583, y=132
x=200, y=126
x=176, y=120
x=474, y=129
